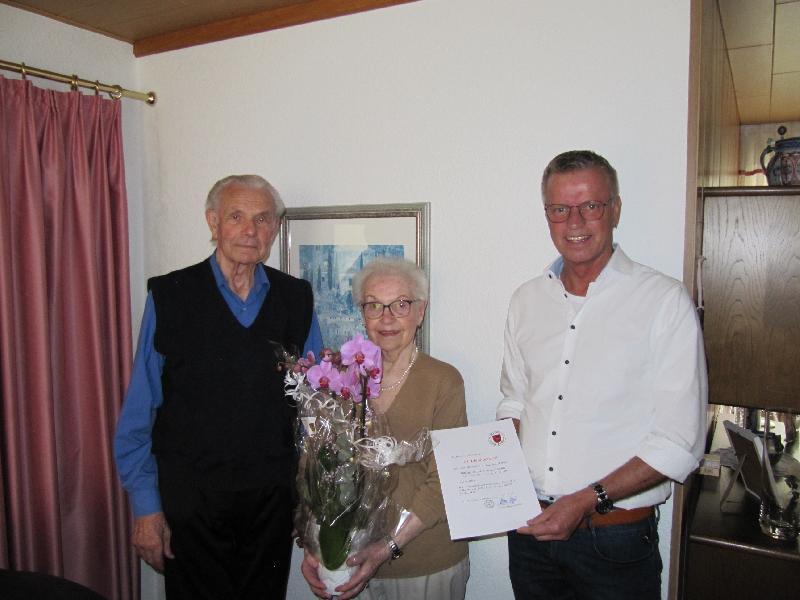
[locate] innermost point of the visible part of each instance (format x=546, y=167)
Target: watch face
x=604, y=506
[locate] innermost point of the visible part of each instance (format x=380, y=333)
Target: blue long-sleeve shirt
x=133, y=440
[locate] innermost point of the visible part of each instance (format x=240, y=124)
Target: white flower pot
x=333, y=579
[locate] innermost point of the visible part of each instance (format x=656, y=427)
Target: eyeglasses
x=589, y=211
x=399, y=308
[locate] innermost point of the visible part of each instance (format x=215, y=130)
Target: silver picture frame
x=328, y=244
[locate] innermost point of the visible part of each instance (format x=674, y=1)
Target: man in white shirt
x=604, y=376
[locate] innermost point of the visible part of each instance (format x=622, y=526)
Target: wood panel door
x=751, y=294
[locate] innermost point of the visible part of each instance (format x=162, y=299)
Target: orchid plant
x=339, y=487
x=345, y=451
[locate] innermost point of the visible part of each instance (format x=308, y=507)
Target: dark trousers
x=230, y=545
x=616, y=562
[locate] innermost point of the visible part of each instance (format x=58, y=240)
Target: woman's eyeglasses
x=399, y=308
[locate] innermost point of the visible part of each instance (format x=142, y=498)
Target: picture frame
x=756, y=472
x=327, y=245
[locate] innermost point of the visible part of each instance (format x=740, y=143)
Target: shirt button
x=572, y=326
x=565, y=296
x=552, y=498
x=560, y=397
x=549, y=468
x=566, y=362
x=552, y=433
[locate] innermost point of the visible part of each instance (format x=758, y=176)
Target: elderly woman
x=417, y=391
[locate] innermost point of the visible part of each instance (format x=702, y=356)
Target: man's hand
x=559, y=520
x=367, y=560
x=562, y=517
x=151, y=539
x=309, y=569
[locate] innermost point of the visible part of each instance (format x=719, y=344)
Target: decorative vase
x=784, y=167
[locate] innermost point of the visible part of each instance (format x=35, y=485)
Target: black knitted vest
x=225, y=422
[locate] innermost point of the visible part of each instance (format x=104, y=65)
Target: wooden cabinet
x=751, y=294
x=728, y=557
x=750, y=289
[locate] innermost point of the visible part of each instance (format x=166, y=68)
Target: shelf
x=737, y=527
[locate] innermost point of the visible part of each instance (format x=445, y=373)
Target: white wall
x=460, y=104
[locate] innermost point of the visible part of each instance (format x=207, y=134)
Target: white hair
x=391, y=266
x=253, y=182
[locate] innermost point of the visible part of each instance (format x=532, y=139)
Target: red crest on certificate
x=496, y=437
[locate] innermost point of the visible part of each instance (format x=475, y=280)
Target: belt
x=618, y=516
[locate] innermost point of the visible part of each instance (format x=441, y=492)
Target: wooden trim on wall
x=691, y=249
x=690, y=252
x=277, y=18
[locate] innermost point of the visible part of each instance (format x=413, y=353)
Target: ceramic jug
x=784, y=166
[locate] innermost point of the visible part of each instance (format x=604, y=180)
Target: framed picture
x=756, y=472
x=328, y=245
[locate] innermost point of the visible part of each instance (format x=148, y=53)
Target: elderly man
x=604, y=376
x=204, y=444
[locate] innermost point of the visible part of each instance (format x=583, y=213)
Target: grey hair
x=253, y=182
x=578, y=160
x=391, y=266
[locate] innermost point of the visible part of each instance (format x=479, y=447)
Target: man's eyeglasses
x=399, y=308
x=589, y=211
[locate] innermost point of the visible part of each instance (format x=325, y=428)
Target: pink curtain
x=65, y=337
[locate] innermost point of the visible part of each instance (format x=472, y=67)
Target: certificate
x=485, y=482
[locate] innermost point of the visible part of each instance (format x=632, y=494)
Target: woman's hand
x=367, y=560
x=309, y=568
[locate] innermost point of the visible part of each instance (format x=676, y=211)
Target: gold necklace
x=386, y=388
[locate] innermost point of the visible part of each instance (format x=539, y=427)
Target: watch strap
x=394, y=549
x=604, y=503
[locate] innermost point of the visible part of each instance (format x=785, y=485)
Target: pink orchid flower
x=351, y=382
x=374, y=382
x=325, y=376
x=304, y=364
x=361, y=352
x=373, y=387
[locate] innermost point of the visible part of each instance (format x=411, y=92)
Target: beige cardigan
x=432, y=396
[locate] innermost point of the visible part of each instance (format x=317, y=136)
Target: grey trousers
x=450, y=584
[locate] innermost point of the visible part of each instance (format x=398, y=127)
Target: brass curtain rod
x=75, y=82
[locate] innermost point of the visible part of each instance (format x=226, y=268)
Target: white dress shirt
x=596, y=383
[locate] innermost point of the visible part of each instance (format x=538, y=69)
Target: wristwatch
x=394, y=549
x=604, y=504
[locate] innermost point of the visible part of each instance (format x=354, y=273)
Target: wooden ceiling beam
x=276, y=18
